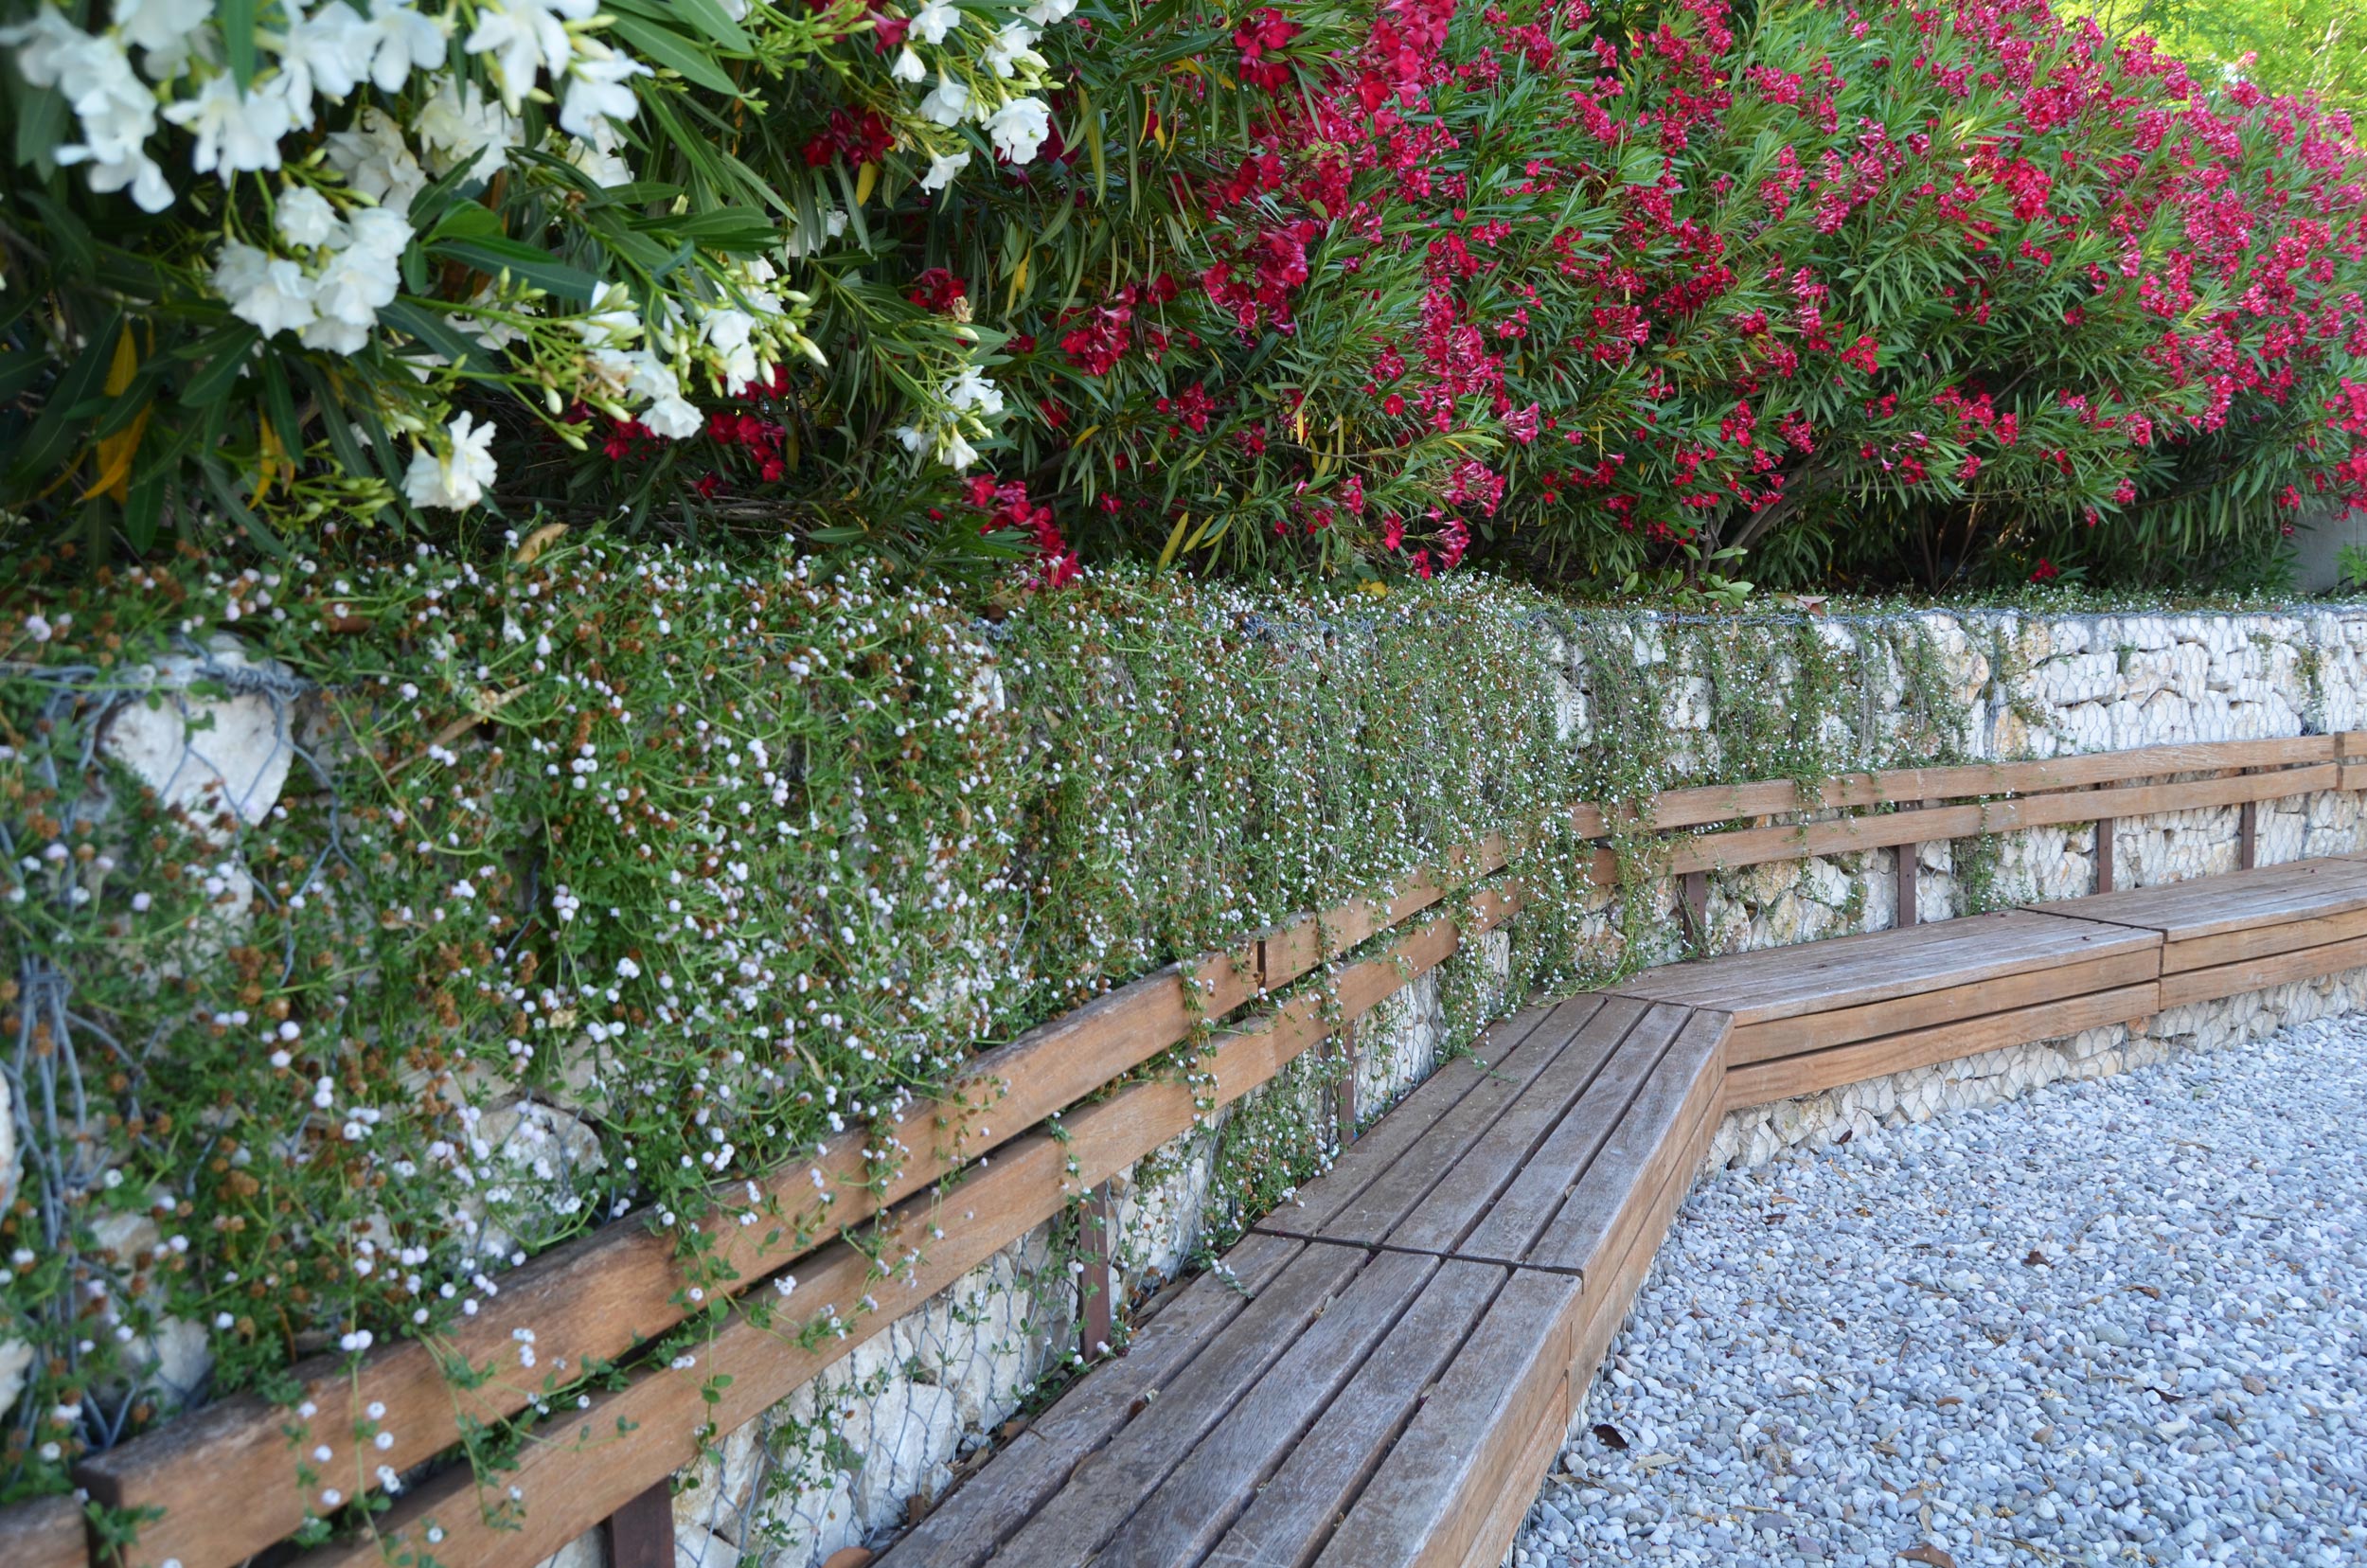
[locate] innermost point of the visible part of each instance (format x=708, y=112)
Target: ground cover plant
x=1891, y=293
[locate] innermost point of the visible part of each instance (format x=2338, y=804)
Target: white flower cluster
x=437, y=89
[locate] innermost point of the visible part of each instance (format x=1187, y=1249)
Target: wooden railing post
x=1695, y=888
x=2248, y=836
x=1097, y=1240
x=641, y=1534
x=2104, y=854
x=1907, y=878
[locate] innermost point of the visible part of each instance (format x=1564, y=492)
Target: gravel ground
x=2119, y=1322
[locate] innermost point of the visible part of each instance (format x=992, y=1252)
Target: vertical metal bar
x=1907, y=875
x=1695, y=885
x=2248, y=836
x=1095, y=1236
x=2104, y=854
x=641, y=1534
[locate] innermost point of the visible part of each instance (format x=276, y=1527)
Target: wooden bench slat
x=1292, y=1514
x=1429, y=1499
x=1380, y=1146
x=2231, y=902
x=1509, y=1231
x=1622, y=1180
x=1199, y=1500
x=971, y=1521
x=2209, y=985
x=1811, y=1072
x=1106, y=1488
x=1467, y=1190
x=1810, y=977
x=1748, y=846
x=1785, y=1036
x=1384, y=1191
x=47, y=1532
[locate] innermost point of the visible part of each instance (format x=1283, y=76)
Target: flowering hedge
x=1901, y=291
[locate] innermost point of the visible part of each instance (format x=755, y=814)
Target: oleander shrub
x=1888, y=292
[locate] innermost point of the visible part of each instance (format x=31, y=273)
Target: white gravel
x=2117, y=1322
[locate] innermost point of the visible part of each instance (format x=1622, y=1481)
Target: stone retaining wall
x=918, y=1401
x=845, y=1458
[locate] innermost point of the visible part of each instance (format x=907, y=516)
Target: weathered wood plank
x=1398, y=1175
x=1488, y=1540
x=1784, y=1037
x=1509, y=1231
x=1429, y=1498
x=1383, y=1145
x=1186, y=1515
x=2206, y=985
x=641, y=1534
x=1811, y=977
x=2233, y=902
x=1300, y=944
x=1292, y=1514
x=2264, y=941
x=972, y=1521
x=1605, y=1204
x=1706, y=803
x=1467, y=1192
x=1072, y=1527
x=1763, y=1082
x=1756, y=846
x=48, y=1532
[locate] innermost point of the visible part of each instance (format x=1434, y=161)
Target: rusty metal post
x=641, y=1534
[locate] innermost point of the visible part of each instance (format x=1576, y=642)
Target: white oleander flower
x=1011, y=48
x=672, y=418
x=359, y=281
x=407, y=40
x=237, y=133
x=908, y=67
x=462, y=127
x=1019, y=128
x=942, y=169
x=376, y=161
x=456, y=478
x=932, y=21
x=599, y=91
x=1048, y=13
x=947, y=103
x=270, y=294
x=525, y=38
x=600, y=164
x=328, y=52
x=973, y=392
x=162, y=30
x=115, y=110
x=304, y=218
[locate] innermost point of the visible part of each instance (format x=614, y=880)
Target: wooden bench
x=1428, y=1312
x=1823, y=1014
x=2247, y=930
x=1380, y=1374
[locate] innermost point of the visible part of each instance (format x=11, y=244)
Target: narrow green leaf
x=671, y=49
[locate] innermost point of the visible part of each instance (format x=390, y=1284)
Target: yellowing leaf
x=1175, y=540
x=115, y=451
x=539, y=540
x=866, y=178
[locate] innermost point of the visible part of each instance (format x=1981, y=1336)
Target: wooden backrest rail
x=223, y=1475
